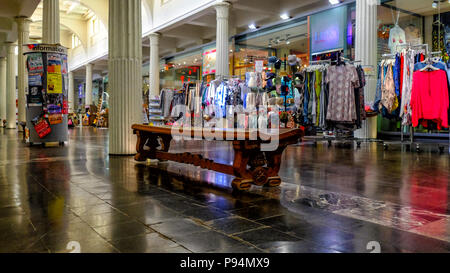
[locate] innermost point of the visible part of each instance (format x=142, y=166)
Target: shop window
x=75, y=41
x=95, y=25
x=421, y=26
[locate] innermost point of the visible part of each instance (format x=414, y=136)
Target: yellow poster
x=54, y=83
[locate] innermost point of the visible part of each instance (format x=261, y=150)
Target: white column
x=50, y=22
x=366, y=51
x=2, y=90
x=125, y=74
x=71, y=93
x=11, y=109
x=88, y=100
x=154, y=64
x=23, y=26
x=222, y=47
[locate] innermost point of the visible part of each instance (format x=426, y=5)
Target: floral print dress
x=341, y=105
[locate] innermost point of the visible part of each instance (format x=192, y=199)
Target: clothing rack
x=340, y=136
x=412, y=141
x=320, y=62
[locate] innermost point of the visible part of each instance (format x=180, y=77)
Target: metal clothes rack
x=320, y=62
x=412, y=140
x=345, y=141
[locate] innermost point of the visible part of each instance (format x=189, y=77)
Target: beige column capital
x=222, y=9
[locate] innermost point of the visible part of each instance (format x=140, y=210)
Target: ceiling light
x=434, y=5
x=334, y=2
x=288, y=42
x=286, y=16
x=252, y=26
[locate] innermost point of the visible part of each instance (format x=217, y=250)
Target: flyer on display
x=54, y=83
x=35, y=63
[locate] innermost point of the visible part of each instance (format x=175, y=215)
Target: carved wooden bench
x=252, y=165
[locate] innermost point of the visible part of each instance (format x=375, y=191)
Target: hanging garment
x=430, y=98
x=388, y=97
x=323, y=102
x=408, y=70
x=397, y=37
x=341, y=104
x=318, y=90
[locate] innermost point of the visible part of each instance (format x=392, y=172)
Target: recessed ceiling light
x=252, y=26
x=285, y=16
x=335, y=2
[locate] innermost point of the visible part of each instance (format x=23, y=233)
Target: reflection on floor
x=331, y=200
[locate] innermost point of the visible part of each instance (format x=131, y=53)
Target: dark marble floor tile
x=233, y=224
x=106, y=219
x=297, y=247
x=265, y=237
x=259, y=212
x=150, y=213
x=178, y=228
x=209, y=241
x=122, y=230
x=148, y=243
x=93, y=209
x=205, y=213
x=286, y=223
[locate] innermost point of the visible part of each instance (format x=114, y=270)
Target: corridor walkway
x=332, y=200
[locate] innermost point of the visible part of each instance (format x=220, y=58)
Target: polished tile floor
x=333, y=199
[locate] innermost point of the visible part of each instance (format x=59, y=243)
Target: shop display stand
x=155, y=112
x=47, y=105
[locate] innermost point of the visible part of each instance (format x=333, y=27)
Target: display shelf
x=155, y=118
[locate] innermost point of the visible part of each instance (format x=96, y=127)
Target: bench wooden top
x=226, y=134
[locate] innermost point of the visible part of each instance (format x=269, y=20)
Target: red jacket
x=429, y=98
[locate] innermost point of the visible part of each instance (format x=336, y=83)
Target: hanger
x=429, y=65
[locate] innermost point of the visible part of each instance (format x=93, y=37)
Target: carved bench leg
x=244, y=178
x=165, y=145
x=242, y=184
x=273, y=166
x=142, y=139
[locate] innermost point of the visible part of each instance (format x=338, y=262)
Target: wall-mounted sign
x=328, y=30
x=209, y=62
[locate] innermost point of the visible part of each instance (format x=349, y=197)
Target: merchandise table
x=257, y=154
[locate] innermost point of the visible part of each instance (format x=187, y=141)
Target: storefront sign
x=209, y=62
x=328, y=30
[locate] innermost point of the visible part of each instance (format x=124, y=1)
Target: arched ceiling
x=73, y=18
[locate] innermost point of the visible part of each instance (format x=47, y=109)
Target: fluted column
x=23, y=27
x=88, y=100
x=2, y=90
x=125, y=74
x=71, y=93
x=154, y=63
x=10, y=86
x=50, y=22
x=366, y=51
x=222, y=47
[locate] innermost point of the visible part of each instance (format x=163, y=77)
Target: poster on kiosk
x=46, y=95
